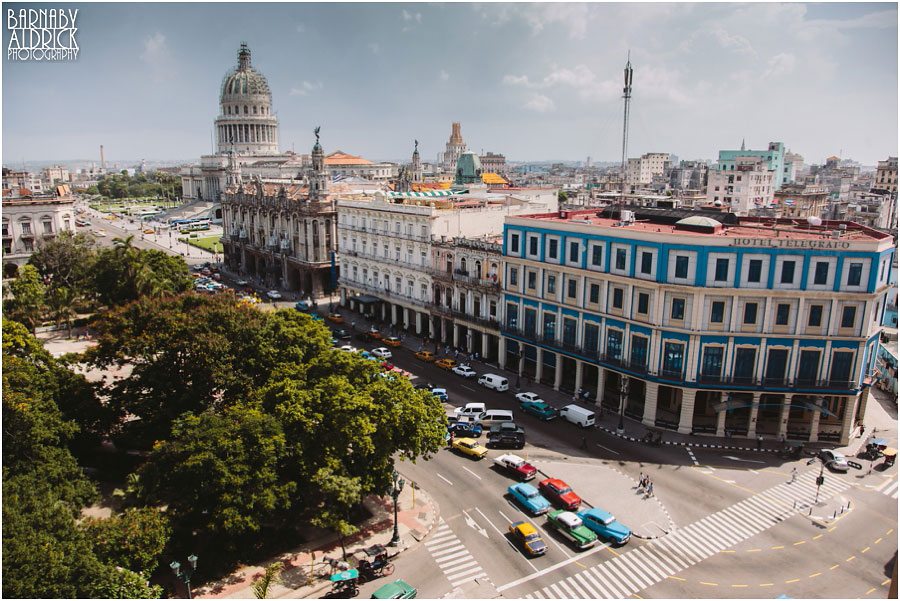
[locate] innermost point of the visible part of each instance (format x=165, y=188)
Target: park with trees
x=231, y=431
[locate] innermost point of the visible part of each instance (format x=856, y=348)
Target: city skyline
x=820, y=78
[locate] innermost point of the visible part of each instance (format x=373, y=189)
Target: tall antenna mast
x=627, y=96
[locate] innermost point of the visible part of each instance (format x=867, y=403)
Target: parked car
x=441, y=393
x=217, y=277
x=464, y=371
x=559, y=493
x=494, y=382
x=398, y=589
x=100, y=234
x=465, y=428
x=470, y=410
x=303, y=306
x=506, y=434
x=241, y=283
x=516, y=466
x=526, y=536
x=426, y=356
x=470, y=447
x=529, y=497
x=348, y=348
x=528, y=397
x=605, y=525
x=382, y=352
x=834, y=460
x=335, y=317
x=539, y=409
x=446, y=363
x=571, y=527
x=273, y=294
x=392, y=341
x=374, y=334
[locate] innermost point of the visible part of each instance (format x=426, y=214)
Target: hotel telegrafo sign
x=788, y=243
x=46, y=34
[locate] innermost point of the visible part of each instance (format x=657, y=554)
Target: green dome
x=244, y=83
x=468, y=168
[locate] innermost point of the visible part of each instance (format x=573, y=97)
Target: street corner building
x=696, y=322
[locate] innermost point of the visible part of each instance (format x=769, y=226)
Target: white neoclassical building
x=29, y=220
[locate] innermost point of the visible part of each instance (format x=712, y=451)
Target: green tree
x=65, y=261
x=340, y=494
x=133, y=540
x=61, y=303
x=119, y=277
x=28, y=297
x=220, y=472
x=562, y=196
x=270, y=577
x=93, y=190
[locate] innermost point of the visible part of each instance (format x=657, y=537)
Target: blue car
x=369, y=356
x=539, y=409
x=440, y=393
x=466, y=429
x=303, y=306
x=605, y=525
x=529, y=497
x=316, y=317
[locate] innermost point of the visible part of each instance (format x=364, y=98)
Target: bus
x=197, y=223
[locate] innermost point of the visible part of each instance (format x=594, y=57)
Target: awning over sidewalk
x=366, y=299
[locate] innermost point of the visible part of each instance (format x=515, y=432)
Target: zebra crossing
x=452, y=557
x=660, y=558
x=888, y=487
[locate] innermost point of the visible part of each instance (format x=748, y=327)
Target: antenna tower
x=627, y=97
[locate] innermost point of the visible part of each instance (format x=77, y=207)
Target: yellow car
x=392, y=341
x=426, y=356
x=148, y=231
x=527, y=537
x=375, y=334
x=446, y=363
x=335, y=317
x=469, y=446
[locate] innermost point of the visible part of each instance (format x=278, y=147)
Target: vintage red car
x=559, y=493
x=516, y=466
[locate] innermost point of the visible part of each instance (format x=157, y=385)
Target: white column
x=501, y=352
x=754, y=411
x=686, y=420
x=418, y=322
x=539, y=368
x=720, y=422
x=785, y=415
x=601, y=384
x=814, y=427
x=484, y=345
x=557, y=374
x=579, y=373
x=650, y=401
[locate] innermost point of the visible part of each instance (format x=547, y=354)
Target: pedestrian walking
x=476, y=355
x=456, y=354
x=650, y=489
x=759, y=442
x=574, y=398
x=641, y=480
x=793, y=475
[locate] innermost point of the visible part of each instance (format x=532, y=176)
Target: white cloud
x=575, y=16
x=305, y=88
x=735, y=42
x=782, y=63
x=411, y=19
x=158, y=58
x=374, y=48
x=444, y=75
x=579, y=77
x=540, y=104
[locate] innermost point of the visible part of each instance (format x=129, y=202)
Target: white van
x=472, y=410
x=578, y=415
x=494, y=382
x=494, y=417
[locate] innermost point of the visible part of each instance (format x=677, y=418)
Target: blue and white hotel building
x=700, y=322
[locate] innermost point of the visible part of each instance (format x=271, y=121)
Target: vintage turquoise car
x=605, y=525
x=570, y=526
x=539, y=409
x=529, y=497
x=398, y=589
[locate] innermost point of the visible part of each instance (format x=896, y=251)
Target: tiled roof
x=492, y=178
x=342, y=158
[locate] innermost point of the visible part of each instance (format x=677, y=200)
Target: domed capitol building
x=246, y=128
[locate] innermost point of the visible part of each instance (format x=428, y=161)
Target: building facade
x=30, y=220
x=689, y=175
x=741, y=185
x=641, y=171
x=493, y=163
x=688, y=324
x=283, y=234
x=773, y=157
x=799, y=201
x=886, y=175
x=455, y=147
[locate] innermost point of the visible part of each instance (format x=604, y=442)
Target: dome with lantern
x=246, y=124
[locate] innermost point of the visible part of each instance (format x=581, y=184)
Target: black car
x=423, y=387
x=364, y=337
x=342, y=334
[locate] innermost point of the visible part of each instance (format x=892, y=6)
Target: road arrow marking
x=474, y=525
x=740, y=459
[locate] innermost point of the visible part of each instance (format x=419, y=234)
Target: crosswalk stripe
x=447, y=564
x=470, y=562
x=589, y=576
x=576, y=586
x=444, y=552
x=463, y=576
x=679, y=562
x=538, y=594
x=559, y=594
x=699, y=538
x=883, y=484
x=722, y=538
x=445, y=544
x=733, y=523
x=614, y=584
x=665, y=565
x=749, y=516
x=624, y=576
x=676, y=550
x=593, y=593
x=628, y=560
x=528, y=596
x=566, y=585
x=682, y=538
x=441, y=539
x=643, y=557
x=444, y=559
x=766, y=511
x=719, y=524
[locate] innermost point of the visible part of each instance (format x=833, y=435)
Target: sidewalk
x=417, y=514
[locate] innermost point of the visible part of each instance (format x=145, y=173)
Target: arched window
x=254, y=109
x=462, y=265
x=227, y=110
x=477, y=273
x=449, y=263
x=246, y=110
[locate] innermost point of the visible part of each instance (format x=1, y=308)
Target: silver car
x=834, y=460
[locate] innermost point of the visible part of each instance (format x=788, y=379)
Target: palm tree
x=62, y=303
x=147, y=283
x=269, y=577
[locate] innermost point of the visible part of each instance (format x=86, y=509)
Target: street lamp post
x=395, y=493
x=623, y=391
x=185, y=574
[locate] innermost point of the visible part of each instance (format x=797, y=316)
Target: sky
x=531, y=81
